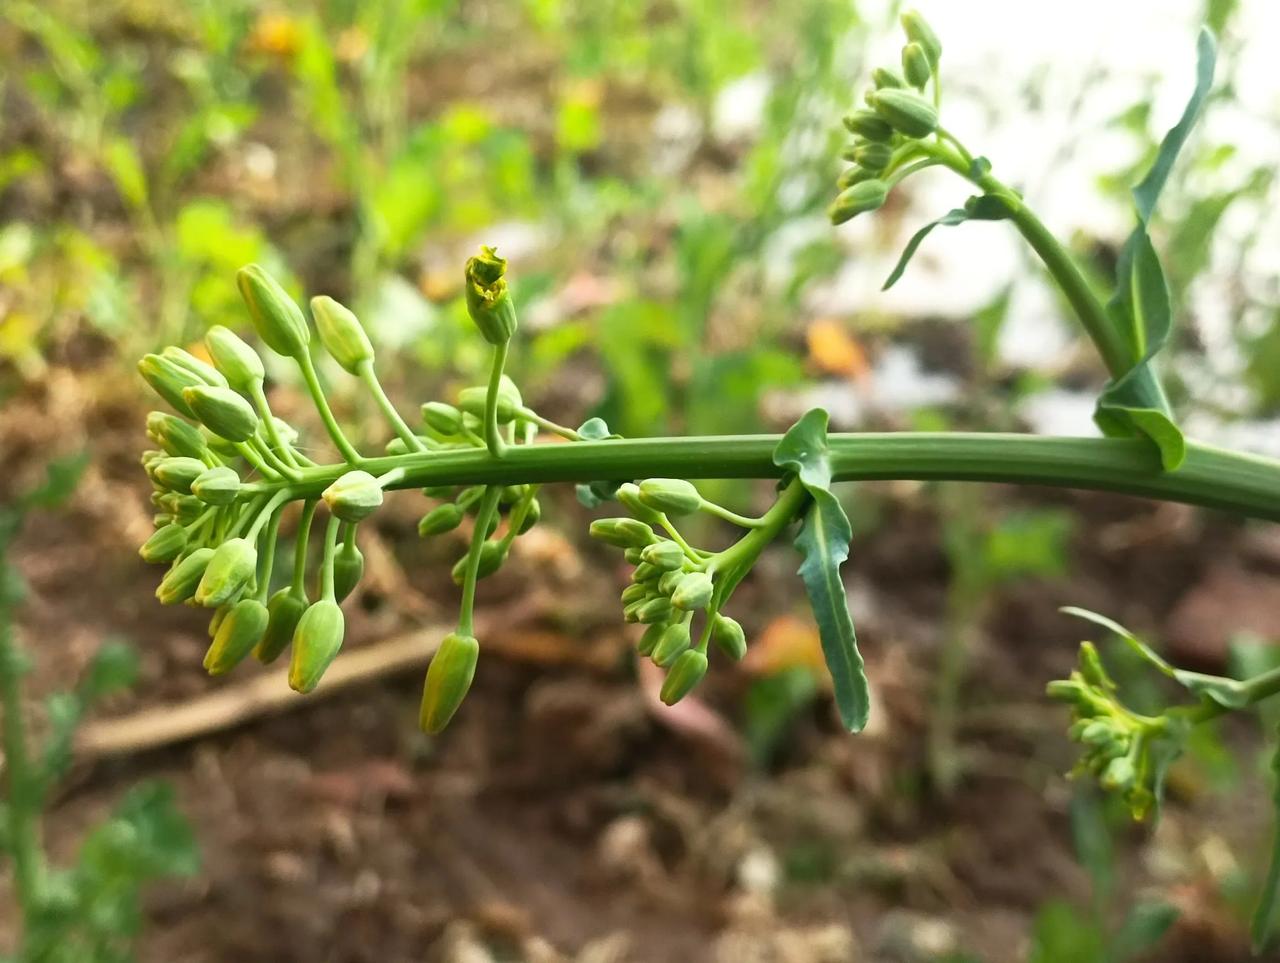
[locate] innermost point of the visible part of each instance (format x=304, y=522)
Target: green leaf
x=1264, y=916
x=823, y=540
x=125, y=166
x=1142, y=929
x=980, y=207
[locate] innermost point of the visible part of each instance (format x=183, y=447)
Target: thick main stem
x=1212, y=477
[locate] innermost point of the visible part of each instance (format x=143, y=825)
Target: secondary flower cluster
x=888, y=132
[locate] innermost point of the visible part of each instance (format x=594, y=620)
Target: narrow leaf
x=980, y=207
x=1269, y=902
x=823, y=540
x=1142, y=929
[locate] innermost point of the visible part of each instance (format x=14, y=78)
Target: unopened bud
x=217, y=486
x=449, y=677
x=202, y=371
x=635, y=592
x=693, y=592
x=276, y=316
x=1091, y=667
x=238, y=632
x=316, y=642
x=165, y=544
x=442, y=418
x=175, y=436
x=654, y=610
x=652, y=636
x=915, y=65
x=284, y=610
x=168, y=380
x=354, y=496
x=177, y=474
x=918, y=31
x=685, y=673
x=473, y=400
x=1119, y=774
x=852, y=175
x=665, y=555
x=674, y=496
x=674, y=640
x=727, y=634
x=222, y=411
x=907, y=112
x=229, y=572
x=488, y=300
x=348, y=569
x=180, y=582
x=532, y=515
x=441, y=519
x=234, y=358
x=668, y=582
x=858, y=199
x=872, y=157
x=492, y=555
x=885, y=79
x=622, y=532
x=869, y=125
x=341, y=333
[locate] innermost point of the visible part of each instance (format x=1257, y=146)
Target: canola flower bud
x=675, y=640
x=858, y=199
x=448, y=679
x=442, y=418
x=238, y=632
x=180, y=582
x=622, y=532
x=886, y=79
x=685, y=673
x=532, y=515
x=341, y=333
x=219, y=445
x=488, y=299
x=175, y=436
x=354, y=496
x=398, y=446
x=918, y=31
x=649, y=640
x=915, y=65
x=204, y=373
x=348, y=569
x=441, y=519
x=665, y=555
x=219, y=615
x=674, y=496
x=631, y=611
x=217, y=486
x=276, y=316
x=229, y=572
x=177, y=474
x=906, y=112
x=168, y=380
x=222, y=411
x=872, y=157
x=233, y=356
x=646, y=573
x=1119, y=774
x=472, y=400
x=284, y=610
x=165, y=544
x=728, y=636
x=868, y=125
x=440, y=491
x=1092, y=669
x=852, y=175
x=669, y=580
x=654, y=610
x=316, y=642
x=693, y=591
x=633, y=556
x=492, y=555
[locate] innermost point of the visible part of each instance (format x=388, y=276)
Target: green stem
x=546, y=424
x=370, y=379
x=250, y=454
x=719, y=511
x=327, y=591
x=24, y=815
x=269, y=424
x=1212, y=477
x=299, y=587
x=348, y=452
x=492, y=438
x=736, y=560
x=466, y=611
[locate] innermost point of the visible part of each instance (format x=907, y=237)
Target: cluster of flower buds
x=1128, y=753
x=888, y=131
x=671, y=582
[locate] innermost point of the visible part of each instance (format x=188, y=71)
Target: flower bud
x=1119, y=774
x=341, y=333
x=693, y=592
x=675, y=496
x=276, y=316
x=217, y=486
x=398, y=446
x=728, y=635
x=665, y=555
x=180, y=582
x=472, y=400
x=217, y=444
x=631, y=611
x=284, y=609
x=918, y=31
x=622, y=532
x=492, y=555
x=316, y=642
x=354, y=496
x=907, y=112
x=229, y=572
x=532, y=515
x=654, y=610
x=1091, y=667
x=852, y=175
x=448, y=678
x=441, y=519
x=685, y=673
x=165, y=544
x=168, y=381
x=177, y=474
x=915, y=65
x=646, y=573
x=238, y=632
x=652, y=636
x=488, y=300
x=633, y=556
x=869, y=125
x=674, y=640
x=202, y=372
x=219, y=615
x=222, y=411
x=858, y=199
x=233, y=356
x=175, y=436
x=872, y=157
x=442, y=418
x=886, y=79
x=668, y=581
x=348, y=569
x=636, y=592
